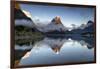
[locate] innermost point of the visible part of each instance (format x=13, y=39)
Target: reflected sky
x=58, y=51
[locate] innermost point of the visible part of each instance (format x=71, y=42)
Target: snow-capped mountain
x=54, y=25
x=23, y=18
x=89, y=27
x=84, y=28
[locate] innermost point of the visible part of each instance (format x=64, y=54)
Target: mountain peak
x=90, y=21
x=57, y=20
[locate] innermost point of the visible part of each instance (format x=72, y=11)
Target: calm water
x=54, y=51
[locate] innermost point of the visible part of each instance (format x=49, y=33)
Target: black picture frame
x=45, y=3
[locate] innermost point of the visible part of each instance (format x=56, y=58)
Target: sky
x=68, y=15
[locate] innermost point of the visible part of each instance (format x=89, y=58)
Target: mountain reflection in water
x=54, y=51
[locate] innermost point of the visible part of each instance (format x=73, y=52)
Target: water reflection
x=55, y=51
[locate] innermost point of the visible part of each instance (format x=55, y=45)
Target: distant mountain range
x=88, y=28
x=55, y=26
